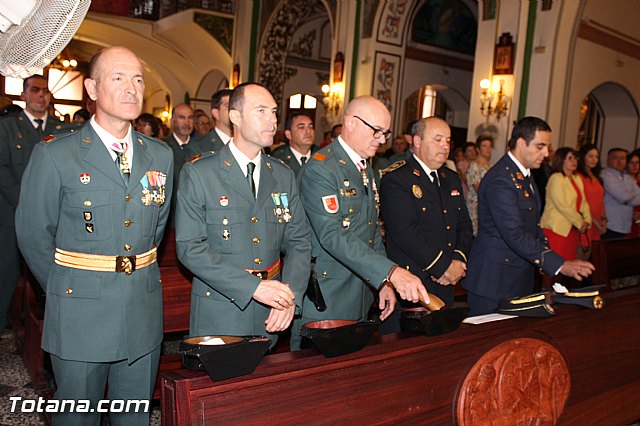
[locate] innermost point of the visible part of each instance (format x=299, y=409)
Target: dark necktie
x=122, y=163
x=40, y=128
x=250, y=168
x=303, y=160
x=434, y=178
x=530, y=180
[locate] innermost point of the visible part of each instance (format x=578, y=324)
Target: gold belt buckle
x=126, y=264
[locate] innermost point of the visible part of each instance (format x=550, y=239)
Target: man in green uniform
x=300, y=132
x=340, y=198
x=19, y=133
x=237, y=211
x=93, y=208
x=221, y=133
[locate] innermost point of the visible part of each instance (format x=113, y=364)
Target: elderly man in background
x=621, y=194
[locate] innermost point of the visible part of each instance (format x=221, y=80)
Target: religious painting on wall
x=385, y=81
x=447, y=24
x=503, y=55
x=392, y=21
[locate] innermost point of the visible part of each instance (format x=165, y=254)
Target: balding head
x=366, y=125
x=182, y=121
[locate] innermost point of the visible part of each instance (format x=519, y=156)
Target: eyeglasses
x=376, y=132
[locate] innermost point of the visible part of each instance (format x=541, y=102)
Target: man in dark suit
x=237, y=211
x=340, y=198
x=300, y=132
x=19, y=133
x=510, y=242
x=93, y=208
x=221, y=134
x=427, y=225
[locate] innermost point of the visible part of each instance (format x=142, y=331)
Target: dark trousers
x=612, y=235
x=9, y=269
x=79, y=380
x=479, y=305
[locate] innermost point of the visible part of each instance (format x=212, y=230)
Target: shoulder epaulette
x=48, y=138
x=319, y=156
x=391, y=168
x=201, y=156
x=279, y=160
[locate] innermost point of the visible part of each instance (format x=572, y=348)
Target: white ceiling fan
x=33, y=32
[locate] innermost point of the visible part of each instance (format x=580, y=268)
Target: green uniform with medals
x=74, y=198
x=351, y=264
x=17, y=138
x=222, y=232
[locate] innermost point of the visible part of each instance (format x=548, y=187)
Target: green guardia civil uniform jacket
x=74, y=198
x=222, y=232
x=351, y=264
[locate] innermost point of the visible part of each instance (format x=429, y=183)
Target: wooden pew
x=615, y=259
x=415, y=379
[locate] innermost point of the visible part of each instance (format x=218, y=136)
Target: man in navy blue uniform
x=510, y=242
x=427, y=224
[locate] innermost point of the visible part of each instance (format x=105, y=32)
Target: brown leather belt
x=266, y=274
x=103, y=263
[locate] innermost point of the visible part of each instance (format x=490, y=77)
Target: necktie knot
x=434, y=178
x=39, y=127
x=303, y=160
x=252, y=184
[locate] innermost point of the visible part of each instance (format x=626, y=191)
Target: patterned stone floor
x=15, y=381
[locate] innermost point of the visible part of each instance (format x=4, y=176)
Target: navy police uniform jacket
x=510, y=243
x=426, y=227
x=74, y=198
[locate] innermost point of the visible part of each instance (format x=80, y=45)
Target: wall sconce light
x=493, y=100
x=235, y=76
x=332, y=98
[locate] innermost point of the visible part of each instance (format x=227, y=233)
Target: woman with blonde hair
x=566, y=217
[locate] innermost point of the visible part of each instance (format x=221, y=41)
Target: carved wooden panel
x=519, y=382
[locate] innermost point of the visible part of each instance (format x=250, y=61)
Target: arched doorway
x=609, y=118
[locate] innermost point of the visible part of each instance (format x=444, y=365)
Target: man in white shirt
x=621, y=194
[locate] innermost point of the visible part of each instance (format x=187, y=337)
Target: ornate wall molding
x=278, y=39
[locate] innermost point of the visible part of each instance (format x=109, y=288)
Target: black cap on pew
x=223, y=357
x=339, y=337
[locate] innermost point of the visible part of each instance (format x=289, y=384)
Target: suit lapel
x=293, y=163
x=267, y=183
x=236, y=179
x=141, y=160
x=97, y=155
